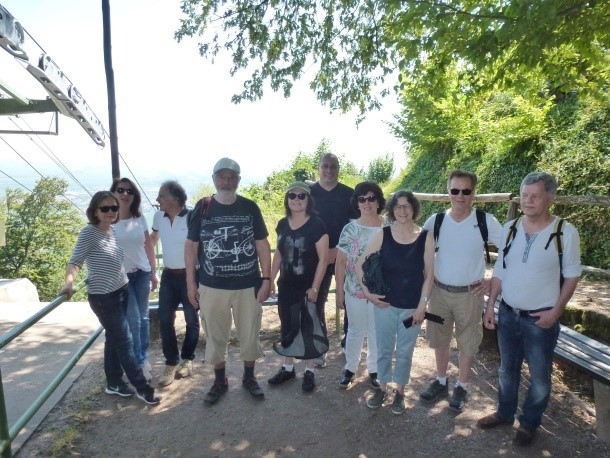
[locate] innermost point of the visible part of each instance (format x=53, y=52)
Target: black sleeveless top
x=403, y=269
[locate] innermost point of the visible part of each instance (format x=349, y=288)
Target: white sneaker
x=169, y=374
x=185, y=368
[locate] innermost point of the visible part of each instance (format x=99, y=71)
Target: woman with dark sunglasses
x=300, y=258
x=97, y=247
x=368, y=202
x=140, y=264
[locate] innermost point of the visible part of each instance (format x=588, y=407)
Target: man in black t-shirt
x=233, y=239
x=333, y=206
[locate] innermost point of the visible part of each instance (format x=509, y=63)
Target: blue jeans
x=111, y=311
x=137, y=313
x=171, y=293
x=519, y=338
x=393, y=336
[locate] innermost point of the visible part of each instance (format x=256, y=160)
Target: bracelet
x=266, y=278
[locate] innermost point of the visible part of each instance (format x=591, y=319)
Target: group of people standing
x=217, y=258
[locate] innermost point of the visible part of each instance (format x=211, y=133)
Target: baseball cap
x=299, y=184
x=227, y=163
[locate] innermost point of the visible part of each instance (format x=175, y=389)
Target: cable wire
x=41, y=175
x=49, y=153
x=137, y=182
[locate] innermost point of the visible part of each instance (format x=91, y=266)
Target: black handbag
x=306, y=338
x=372, y=276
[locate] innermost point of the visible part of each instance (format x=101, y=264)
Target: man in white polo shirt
x=459, y=285
x=170, y=225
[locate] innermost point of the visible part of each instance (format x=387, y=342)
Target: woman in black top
x=408, y=269
x=301, y=259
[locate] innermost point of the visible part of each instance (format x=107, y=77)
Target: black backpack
x=481, y=223
x=557, y=234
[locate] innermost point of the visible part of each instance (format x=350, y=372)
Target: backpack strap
x=206, y=202
x=482, y=223
x=438, y=221
x=558, y=236
x=512, y=232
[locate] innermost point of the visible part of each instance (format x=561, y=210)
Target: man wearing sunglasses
x=228, y=283
x=334, y=208
x=459, y=286
x=170, y=225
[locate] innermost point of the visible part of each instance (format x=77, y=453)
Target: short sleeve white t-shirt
x=130, y=234
x=173, y=237
x=460, y=257
x=531, y=278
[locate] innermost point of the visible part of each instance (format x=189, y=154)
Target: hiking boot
x=320, y=361
x=524, y=436
x=398, y=406
x=147, y=394
x=309, y=382
x=252, y=386
x=346, y=379
x=373, y=379
x=458, y=399
x=492, y=420
x=169, y=374
x=434, y=392
x=185, y=368
x=121, y=390
x=282, y=376
x=377, y=399
x=217, y=390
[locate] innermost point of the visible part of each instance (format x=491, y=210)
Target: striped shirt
x=104, y=259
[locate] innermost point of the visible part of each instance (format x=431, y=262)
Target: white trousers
x=361, y=323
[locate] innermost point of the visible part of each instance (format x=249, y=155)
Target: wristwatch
x=315, y=290
x=424, y=298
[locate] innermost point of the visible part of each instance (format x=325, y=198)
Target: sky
x=174, y=113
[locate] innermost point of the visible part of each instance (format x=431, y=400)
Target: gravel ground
x=327, y=422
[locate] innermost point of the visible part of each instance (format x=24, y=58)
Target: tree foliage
x=381, y=169
x=41, y=231
x=353, y=47
x=270, y=195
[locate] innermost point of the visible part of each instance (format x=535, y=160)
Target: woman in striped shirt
x=97, y=248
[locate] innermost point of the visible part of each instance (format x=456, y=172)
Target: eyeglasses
x=363, y=199
x=109, y=208
x=129, y=191
x=465, y=192
x=293, y=195
x=404, y=207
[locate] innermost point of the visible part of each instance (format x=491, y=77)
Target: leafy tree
x=41, y=231
x=381, y=169
x=353, y=46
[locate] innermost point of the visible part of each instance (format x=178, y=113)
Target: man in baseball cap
x=235, y=251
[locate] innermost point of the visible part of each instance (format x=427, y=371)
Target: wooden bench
x=593, y=358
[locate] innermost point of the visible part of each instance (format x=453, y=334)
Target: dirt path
x=328, y=422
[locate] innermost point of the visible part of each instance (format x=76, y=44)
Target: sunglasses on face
x=363, y=199
x=465, y=192
x=129, y=191
x=109, y=208
x=300, y=196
